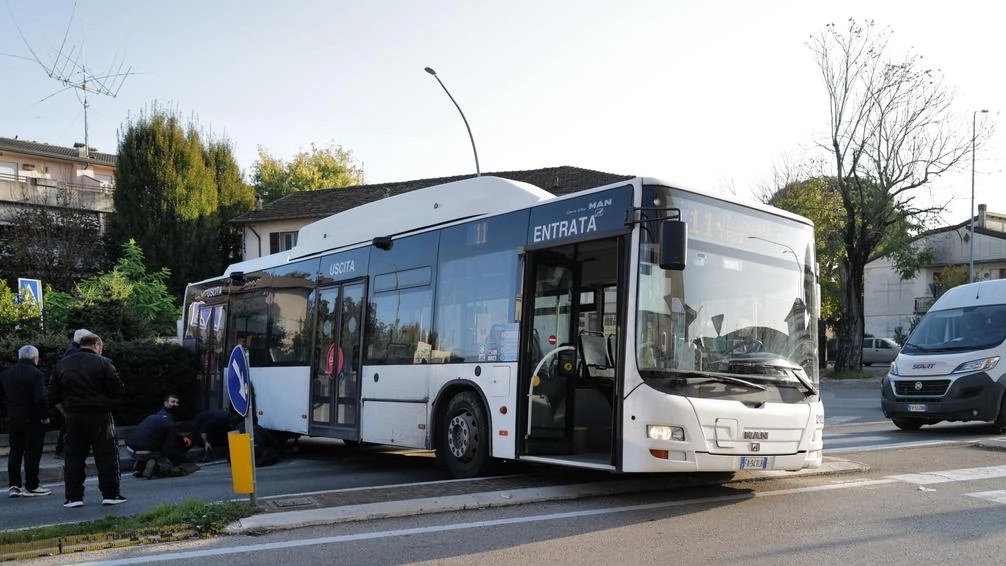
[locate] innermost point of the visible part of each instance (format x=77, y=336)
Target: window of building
x=8, y=170
x=282, y=241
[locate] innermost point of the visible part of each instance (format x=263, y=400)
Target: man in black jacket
x=22, y=391
x=84, y=386
x=73, y=348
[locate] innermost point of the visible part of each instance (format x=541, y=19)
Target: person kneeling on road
x=157, y=445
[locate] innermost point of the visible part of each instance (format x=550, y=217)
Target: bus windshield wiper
x=720, y=378
x=797, y=372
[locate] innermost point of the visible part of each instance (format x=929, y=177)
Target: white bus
x=635, y=327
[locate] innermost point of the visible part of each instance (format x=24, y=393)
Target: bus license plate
x=754, y=462
x=916, y=408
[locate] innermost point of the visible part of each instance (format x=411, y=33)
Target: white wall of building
x=889, y=302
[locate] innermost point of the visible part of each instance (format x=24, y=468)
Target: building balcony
x=52, y=193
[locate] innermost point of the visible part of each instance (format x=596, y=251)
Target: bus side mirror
x=673, y=244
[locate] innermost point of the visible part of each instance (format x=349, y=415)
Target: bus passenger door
x=335, y=383
x=548, y=371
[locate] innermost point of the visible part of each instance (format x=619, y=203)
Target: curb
x=266, y=522
x=994, y=444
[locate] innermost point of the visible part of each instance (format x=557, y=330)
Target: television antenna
x=67, y=67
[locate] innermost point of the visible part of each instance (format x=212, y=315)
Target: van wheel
x=465, y=440
x=1000, y=421
x=907, y=424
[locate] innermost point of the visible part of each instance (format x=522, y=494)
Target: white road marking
x=993, y=496
x=852, y=438
x=966, y=474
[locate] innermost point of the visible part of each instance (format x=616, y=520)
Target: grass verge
x=849, y=375
x=164, y=522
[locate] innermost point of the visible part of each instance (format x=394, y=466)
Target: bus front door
x=335, y=389
x=550, y=355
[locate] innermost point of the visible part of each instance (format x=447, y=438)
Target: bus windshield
x=745, y=306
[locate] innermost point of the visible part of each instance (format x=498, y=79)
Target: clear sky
x=708, y=94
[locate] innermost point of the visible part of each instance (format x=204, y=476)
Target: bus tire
x=1000, y=421
x=466, y=441
x=907, y=424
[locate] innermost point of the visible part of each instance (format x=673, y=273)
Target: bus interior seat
x=593, y=352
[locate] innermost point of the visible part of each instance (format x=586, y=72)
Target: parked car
x=879, y=351
x=831, y=347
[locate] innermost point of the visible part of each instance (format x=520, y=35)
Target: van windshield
x=958, y=330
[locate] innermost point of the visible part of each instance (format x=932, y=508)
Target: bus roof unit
x=414, y=210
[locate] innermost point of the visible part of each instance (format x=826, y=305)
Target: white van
x=951, y=367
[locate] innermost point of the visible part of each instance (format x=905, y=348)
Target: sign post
x=242, y=445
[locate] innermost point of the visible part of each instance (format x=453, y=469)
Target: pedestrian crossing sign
x=32, y=287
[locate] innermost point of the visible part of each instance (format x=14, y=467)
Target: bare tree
x=52, y=237
x=891, y=133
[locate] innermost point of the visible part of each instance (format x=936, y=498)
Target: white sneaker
x=71, y=503
x=37, y=492
x=14, y=491
x=113, y=500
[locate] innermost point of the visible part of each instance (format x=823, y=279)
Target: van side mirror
x=673, y=244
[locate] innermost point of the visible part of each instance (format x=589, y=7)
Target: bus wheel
x=907, y=424
x=465, y=441
x=1000, y=421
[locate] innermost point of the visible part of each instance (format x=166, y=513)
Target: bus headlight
x=665, y=432
x=983, y=364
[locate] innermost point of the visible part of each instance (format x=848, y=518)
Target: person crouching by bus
x=210, y=429
x=156, y=442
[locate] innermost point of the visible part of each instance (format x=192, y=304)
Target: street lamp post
x=478, y=172
x=971, y=242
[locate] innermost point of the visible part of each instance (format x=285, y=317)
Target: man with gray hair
x=74, y=346
x=22, y=392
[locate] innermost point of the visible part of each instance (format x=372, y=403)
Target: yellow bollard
x=242, y=472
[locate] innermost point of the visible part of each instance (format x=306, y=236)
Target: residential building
x=40, y=174
x=890, y=303
x=273, y=227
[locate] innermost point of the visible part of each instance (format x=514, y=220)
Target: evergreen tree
x=169, y=196
x=235, y=198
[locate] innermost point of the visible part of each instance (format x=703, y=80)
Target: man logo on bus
x=600, y=204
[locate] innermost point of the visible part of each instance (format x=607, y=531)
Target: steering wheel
x=748, y=346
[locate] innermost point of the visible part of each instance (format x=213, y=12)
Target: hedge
x=149, y=370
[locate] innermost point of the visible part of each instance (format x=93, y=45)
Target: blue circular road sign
x=237, y=380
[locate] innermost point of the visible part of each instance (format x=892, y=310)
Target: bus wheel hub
x=459, y=435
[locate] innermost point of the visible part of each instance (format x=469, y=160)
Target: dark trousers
x=26, y=439
x=95, y=433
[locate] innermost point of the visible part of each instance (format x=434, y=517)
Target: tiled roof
x=54, y=151
x=561, y=180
